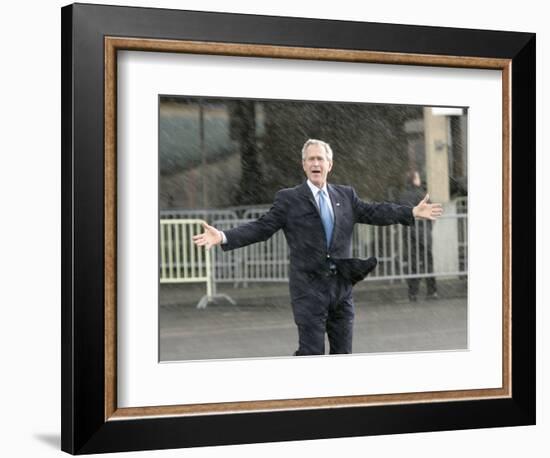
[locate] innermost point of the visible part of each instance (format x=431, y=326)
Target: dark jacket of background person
x=417, y=243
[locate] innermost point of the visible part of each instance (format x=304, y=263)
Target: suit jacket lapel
x=308, y=195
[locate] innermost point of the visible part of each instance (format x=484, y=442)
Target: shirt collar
x=315, y=189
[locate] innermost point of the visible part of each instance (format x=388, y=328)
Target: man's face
x=316, y=165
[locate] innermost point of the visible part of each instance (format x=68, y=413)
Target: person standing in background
x=418, y=241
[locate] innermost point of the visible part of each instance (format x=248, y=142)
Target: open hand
x=424, y=210
x=210, y=237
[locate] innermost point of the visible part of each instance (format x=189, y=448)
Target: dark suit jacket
x=296, y=213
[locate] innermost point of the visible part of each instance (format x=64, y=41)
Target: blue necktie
x=326, y=217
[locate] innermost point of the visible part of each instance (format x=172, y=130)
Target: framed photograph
x=221, y=161
x=211, y=295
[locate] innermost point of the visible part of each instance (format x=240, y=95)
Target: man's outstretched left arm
x=383, y=214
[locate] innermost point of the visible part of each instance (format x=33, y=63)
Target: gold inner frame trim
x=114, y=44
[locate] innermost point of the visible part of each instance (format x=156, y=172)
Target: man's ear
x=330, y=165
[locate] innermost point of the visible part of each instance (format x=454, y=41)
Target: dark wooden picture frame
x=91, y=37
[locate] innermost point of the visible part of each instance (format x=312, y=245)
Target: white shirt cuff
x=224, y=238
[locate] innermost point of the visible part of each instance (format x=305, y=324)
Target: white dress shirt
x=315, y=191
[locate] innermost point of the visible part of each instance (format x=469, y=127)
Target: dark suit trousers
x=425, y=265
x=330, y=311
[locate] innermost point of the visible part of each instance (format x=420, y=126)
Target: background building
x=217, y=153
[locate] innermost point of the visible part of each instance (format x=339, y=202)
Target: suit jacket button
x=328, y=256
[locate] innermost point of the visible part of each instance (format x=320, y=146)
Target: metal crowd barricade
x=462, y=221
x=265, y=261
x=403, y=252
x=462, y=209
x=377, y=241
x=181, y=261
x=414, y=257
x=209, y=215
x=227, y=264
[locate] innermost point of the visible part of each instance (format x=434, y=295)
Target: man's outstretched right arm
x=246, y=234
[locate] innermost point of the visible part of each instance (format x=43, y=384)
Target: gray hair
x=313, y=141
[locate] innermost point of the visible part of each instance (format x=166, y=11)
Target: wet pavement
x=261, y=323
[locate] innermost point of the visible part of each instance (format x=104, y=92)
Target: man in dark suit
x=318, y=219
